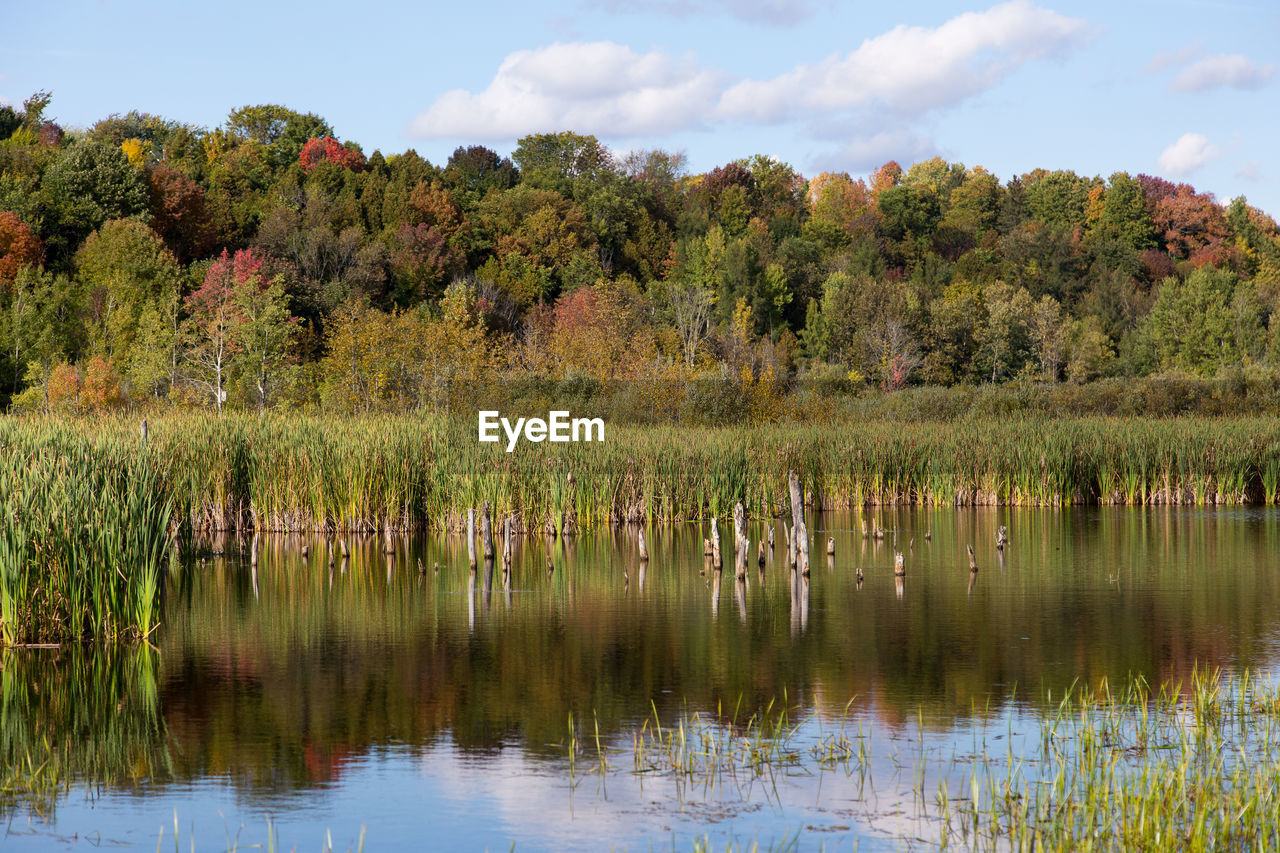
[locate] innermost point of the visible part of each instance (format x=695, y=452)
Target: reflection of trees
x=278, y=691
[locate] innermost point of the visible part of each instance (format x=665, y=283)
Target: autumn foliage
x=18, y=246
x=319, y=149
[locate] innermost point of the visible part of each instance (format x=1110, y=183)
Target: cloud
x=773, y=12
x=611, y=90
x=1223, y=71
x=912, y=70
x=1172, y=58
x=590, y=87
x=1189, y=153
x=1251, y=172
x=864, y=153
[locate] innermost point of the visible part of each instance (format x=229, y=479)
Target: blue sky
x=1187, y=89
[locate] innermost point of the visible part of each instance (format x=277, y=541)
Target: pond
x=593, y=701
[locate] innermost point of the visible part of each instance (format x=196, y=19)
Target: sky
x=1185, y=89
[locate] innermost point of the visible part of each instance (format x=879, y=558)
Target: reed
x=85, y=537
x=300, y=473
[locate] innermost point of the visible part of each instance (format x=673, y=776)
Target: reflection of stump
x=899, y=565
x=486, y=532
x=715, y=542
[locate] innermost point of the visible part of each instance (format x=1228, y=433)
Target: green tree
x=128, y=274
x=280, y=130
x=1192, y=325
x=88, y=185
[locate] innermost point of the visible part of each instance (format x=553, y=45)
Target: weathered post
x=797, y=500
x=1002, y=537
x=506, y=543
x=973, y=561
x=342, y=546
x=831, y=546
x=471, y=537
x=644, y=549
x=486, y=532
x=770, y=537
x=899, y=565
x=760, y=555
x=388, y=546
x=253, y=550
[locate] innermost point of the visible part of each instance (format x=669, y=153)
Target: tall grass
x=86, y=527
x=304, y=473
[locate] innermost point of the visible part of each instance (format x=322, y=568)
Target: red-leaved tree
x=320, y=148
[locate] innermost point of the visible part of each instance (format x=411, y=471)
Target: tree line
x=265, y=263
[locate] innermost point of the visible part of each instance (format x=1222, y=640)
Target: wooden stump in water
x=253, y=550
x=388, y=546
x=760, y=555
x=506, y=545
x=899, y=565
x=471, y=537
x=973, y=561
x=306, y=551
x=1002, y=537
x=644, y=549
x=831, y=546
x=706, y=547
x=342, y=546
x=770, y=537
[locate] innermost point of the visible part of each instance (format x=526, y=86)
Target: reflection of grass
x=78, y=715
x=234, y=843
x=1135, y=769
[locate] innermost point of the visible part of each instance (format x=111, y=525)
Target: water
x=429, y=708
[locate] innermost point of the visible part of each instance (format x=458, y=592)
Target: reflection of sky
x=445, y=798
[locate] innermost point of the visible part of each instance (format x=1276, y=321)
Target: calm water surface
x=436, y=709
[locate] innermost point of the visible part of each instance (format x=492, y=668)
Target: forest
x=264, y=264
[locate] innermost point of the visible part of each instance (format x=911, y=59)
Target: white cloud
x=590, y=87
x=864, y=153
x=912, y=70
x=1251, y=172
x=1172, y=58
x=1189, y=153
x=1223, y=70
x=773, y=12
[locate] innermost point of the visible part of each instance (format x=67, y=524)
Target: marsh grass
x=84, y=539
x=296, y=473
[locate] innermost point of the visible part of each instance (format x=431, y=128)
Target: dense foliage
x=267, y=263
